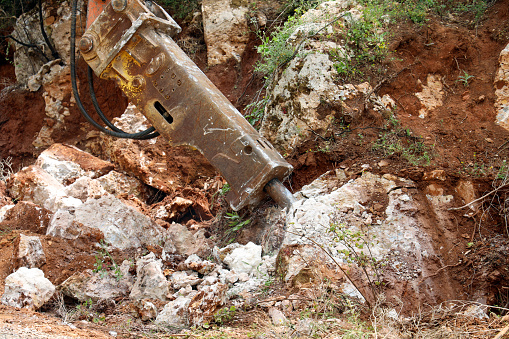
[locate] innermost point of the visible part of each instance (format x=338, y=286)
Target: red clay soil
x=22, y=114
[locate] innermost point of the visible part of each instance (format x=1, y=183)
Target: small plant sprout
x=236, y=222
x=465, y=78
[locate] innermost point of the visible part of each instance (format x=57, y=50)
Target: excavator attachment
x=133, y=45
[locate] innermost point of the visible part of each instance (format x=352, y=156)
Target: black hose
x=18, y=41
x=25, y=44
x=90, y=75
x=140, y=135
x=54, y=53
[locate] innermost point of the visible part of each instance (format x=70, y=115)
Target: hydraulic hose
x=115, y=133
x=144, y=134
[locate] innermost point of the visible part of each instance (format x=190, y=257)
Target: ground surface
x=462, y=136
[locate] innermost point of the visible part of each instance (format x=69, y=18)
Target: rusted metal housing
x=133, y=46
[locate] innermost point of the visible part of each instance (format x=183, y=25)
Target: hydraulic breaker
x=127, y=42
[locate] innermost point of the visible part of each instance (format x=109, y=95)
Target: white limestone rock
x=27, y=288
x=195, y=263
x=64, y=225
x=304, y=96
x=225, y=29
x=67, y=163
x=244, y=259
x=123, y=226
x=175, y=313
x=186, y=242
x=89, y=285
x=150, y=280
x=85, y=188
x=36, y=185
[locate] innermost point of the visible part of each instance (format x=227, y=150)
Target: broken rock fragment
x=150, y=280
x=175, y=313
x=300, y=264
x=27, y=288
x=206, y=303
x=182, y=279
x=195, y=263
x=145, y=309
x=30, y=252
x=187, y=242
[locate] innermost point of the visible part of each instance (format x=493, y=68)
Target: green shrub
x=180, y=9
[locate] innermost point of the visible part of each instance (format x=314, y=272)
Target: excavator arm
x=130, y=41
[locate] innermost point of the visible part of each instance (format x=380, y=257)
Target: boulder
x=27, y=288
x=68, y=163
x=150, y=280
x=29, y=252
x=34, y=184
x=64, y=225
x=382, y=212
x=95, y=286
x=226, y=30
x=123, y=226
x=175, y=313
x=244, y=259
x=304, y=96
